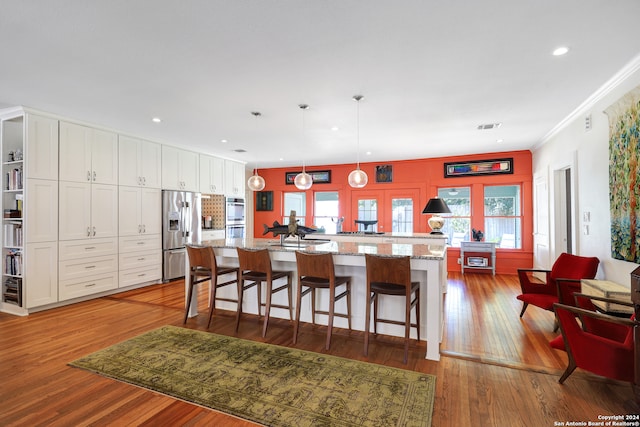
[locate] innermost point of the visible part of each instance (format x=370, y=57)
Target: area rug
x=267, y=384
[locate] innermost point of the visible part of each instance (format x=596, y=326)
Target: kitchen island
x=428, y=266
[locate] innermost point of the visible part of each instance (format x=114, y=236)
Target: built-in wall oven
x=234, y=213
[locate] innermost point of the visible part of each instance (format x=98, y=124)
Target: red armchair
x=544, y=295
x=607, y=356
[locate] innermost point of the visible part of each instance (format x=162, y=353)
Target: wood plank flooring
x=496, y=370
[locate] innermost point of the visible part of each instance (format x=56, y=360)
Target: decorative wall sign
x=624, y=185
x=264, y=201
x=384, y=173
x=319, y=177
x=482, y=167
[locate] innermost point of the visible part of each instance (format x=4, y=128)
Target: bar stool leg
x=267, y=310
x=240, y=295
x=190, y=294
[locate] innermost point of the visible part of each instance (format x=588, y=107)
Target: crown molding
x=621, y=76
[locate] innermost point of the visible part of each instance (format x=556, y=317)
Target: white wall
x=588, y=151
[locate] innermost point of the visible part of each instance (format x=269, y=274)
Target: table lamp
x=435, y=207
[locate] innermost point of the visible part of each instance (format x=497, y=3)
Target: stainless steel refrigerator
x=180, y=226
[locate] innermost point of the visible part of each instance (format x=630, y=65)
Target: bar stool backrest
x=201, y=257
x=254, y=260
x=391, y=270
x=315, y=265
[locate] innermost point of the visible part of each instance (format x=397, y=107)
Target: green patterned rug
x=268, y=384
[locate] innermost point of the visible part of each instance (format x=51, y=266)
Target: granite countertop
x=419, y=251
x=396, y=234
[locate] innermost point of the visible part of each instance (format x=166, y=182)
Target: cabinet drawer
x=140, y=259
x=134, y=277
x=140, y=243
x=69, y=289
x=74, y=249
x=77, y=269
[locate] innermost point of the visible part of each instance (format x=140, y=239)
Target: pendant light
x=303, y=180
x=256, y=182
x=358, y=178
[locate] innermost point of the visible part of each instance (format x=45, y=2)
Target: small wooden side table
x=608, y=289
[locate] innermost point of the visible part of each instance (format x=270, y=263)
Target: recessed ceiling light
x=335, y=128
x=562, y=50
x=499, y=140
x=368, y=153
x=156, y=120
x=224, y=141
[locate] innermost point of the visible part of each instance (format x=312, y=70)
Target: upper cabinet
x=41, y=147
x=234, y=178
x=211, y=175
x=179, y=169
x=88, y=155
x=139, y=162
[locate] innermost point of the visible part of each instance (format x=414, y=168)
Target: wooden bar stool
x=255, y=266
x=391, y=276
x=202, y=262
x=316, y=271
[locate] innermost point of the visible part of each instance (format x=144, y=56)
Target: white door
x=75, y=153
x=104, y=157
x=151, y=211
x=150, y=163
x=42, y=211
x=129, y=220
x=541, y=252
x=42, y=148
x=128, y=153
x=75, y=210
x=41, y=276
x=104, y=210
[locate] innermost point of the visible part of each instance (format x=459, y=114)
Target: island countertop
x=415, y=251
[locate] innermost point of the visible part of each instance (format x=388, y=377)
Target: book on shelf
x=13, y=179
x=13, y=263
x=13, y=234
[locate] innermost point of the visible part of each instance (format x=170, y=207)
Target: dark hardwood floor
x=496, y=369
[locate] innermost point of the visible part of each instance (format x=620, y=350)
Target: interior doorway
x=564, y=211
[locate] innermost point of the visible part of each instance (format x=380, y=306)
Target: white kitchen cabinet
x=29, y=145
x=140, y=259
x=41, y=147
x=41, y=274
x=87, y=267
x=234, y=178
x=88, y=211
x=140, y=211
x=88, y=154
x=180, y=169
x=41, y=217
x=211, y=175
x=139, y=162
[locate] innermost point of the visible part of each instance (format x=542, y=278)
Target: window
x=295, y=201
x=402, y=215
x=326, y=211
x=457, y=225
x=368, y=211
x=502, y=216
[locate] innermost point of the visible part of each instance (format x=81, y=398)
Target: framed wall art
x=481, y=167
x=264, y=201
x=384, y=173
x=319, y=177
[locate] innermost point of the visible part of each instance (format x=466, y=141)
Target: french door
x=393, y=211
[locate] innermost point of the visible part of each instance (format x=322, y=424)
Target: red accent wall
x=422, y=177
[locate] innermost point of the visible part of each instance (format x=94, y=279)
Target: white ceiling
x=430, y=71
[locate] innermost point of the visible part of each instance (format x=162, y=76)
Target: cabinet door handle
x=144, y=228
x=142, y=275
x=90, y=266
x=139, y=180
x=88, y=231
x=88, y=248
x=94, y=231
x=139, y=229
x=88, y=285
x=140, y=243
x=144, y=180
x=88, y=175
x=141, y=259
x=94, y=175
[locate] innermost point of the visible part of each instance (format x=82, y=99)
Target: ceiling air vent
x=488, y=126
